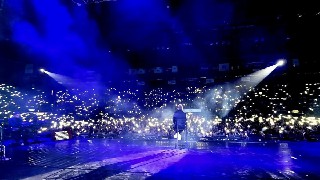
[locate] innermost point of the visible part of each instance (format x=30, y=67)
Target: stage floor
x=100, y=158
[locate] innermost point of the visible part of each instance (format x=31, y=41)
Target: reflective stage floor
x=159, y=159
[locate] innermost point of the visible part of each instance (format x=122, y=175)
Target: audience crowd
x=266, y=111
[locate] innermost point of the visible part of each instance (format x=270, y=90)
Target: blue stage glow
x=64, y=39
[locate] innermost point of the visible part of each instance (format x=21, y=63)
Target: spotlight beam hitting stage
x=241, y=87
x=252, y=80
x=231, y=93
x=256, y=77
x=61, y=79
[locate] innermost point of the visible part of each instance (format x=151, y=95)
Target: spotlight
x=281, y=62
x=42, y=70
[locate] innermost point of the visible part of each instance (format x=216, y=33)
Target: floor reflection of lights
x=160, y=160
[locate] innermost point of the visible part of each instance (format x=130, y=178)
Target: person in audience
x=15, y=128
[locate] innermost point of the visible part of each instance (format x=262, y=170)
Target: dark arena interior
x=159, y=89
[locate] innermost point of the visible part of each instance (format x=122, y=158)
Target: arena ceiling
x=114, y=34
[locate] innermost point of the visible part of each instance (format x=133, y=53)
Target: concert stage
x=100, y=158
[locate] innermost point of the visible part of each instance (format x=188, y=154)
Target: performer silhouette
x=180, y=122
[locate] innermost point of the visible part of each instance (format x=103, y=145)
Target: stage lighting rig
x=42, y=70
x=85, y=2
x=281, y=62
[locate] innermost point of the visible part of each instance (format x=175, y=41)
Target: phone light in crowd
x=281, y=62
